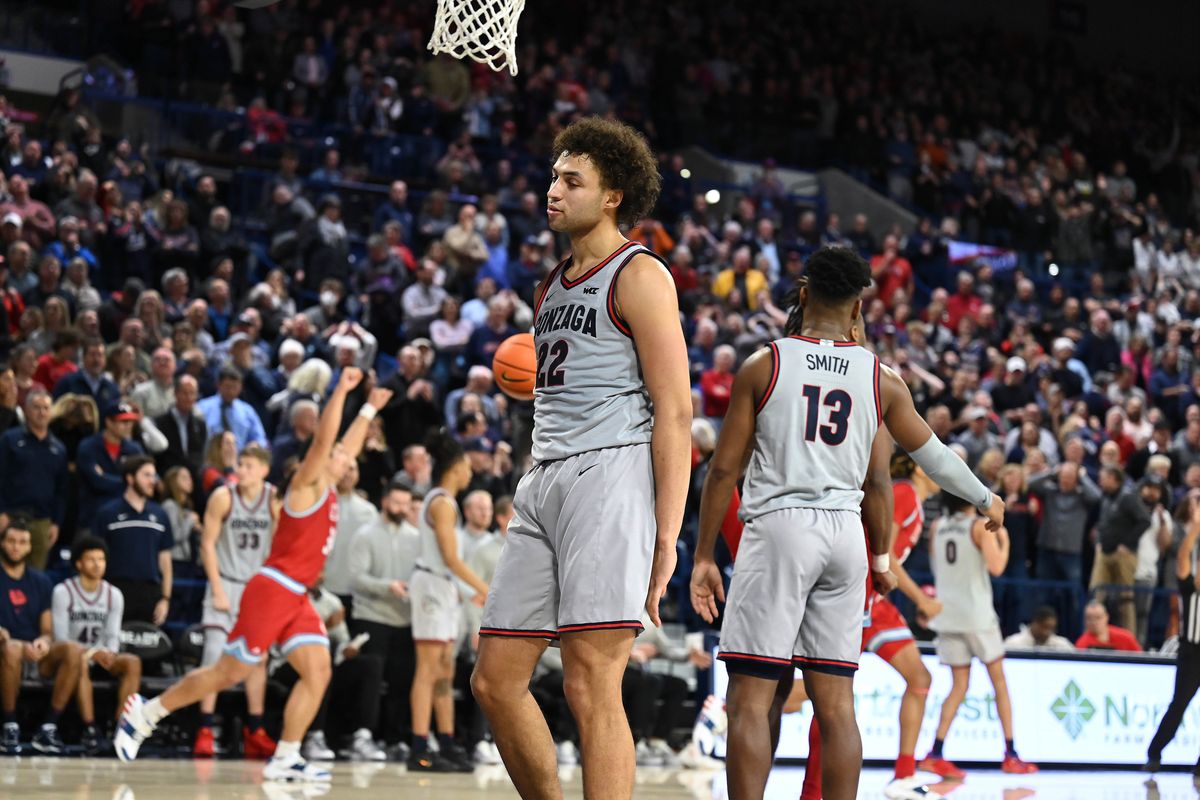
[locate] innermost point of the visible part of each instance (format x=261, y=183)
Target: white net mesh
x=484, y=30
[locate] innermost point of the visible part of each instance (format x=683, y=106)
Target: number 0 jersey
x=590, y=394
x=815, y=426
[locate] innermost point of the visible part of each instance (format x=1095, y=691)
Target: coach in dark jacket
x=98, y=462
x=33, y=476
x=89, y=380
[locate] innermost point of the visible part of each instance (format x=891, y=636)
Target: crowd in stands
x=139, y=315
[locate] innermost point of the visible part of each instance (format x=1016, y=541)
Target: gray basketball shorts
x=797, y=596
x=957, y=649
x=579, y=548
x=218, y=624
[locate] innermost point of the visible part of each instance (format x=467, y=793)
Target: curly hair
x=837, y=274
x=622, y=157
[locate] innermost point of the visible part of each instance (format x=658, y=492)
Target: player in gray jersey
x=592, y=541
x=801, y=423
x=239, y=522
x=88, y=609
x=966, y=555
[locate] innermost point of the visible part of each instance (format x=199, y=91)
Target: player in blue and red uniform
x=275, y=605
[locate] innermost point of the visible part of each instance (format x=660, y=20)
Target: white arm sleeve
x=60, y=600
x=951, y=473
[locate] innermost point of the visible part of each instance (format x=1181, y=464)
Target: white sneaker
x=132, y=728
x=647, y=757
x=690, y=757
x=315, y=749
x=909, y=789
x=568, y=755
x=294, y=769
x=710, y=727
x=363, y=748
x=487, y=754
x=664, y=751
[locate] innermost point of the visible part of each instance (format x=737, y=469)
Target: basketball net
x=483, y=30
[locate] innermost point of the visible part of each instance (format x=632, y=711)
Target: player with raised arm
x=278, y=594
x=802, y=420
x=239, y=522
x=592, y=540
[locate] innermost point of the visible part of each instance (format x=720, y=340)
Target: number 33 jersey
x=814, y=429
x=590, y=394
x=245, y=536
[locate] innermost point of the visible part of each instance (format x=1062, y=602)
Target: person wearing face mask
x=328, y=310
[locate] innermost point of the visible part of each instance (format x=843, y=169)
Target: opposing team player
x=592, y=541
x=802, y=420
x=88, y=609
x=888, y=636
x=278, y=596
x=238, y=524
x=966, y=556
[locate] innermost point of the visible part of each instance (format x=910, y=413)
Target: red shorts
x=273, y=612
x=888, y=634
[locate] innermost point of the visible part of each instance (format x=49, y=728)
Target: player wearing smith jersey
x=592, y=541
x=278, y=595
x=802, y=420
x=88, y=609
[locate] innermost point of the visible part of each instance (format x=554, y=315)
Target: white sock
x=287, y=750
x=154, y=712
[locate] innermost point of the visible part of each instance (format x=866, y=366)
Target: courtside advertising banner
x=1064, y=711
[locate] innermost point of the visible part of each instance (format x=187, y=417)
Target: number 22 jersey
x=814, y=428
x=589, y=394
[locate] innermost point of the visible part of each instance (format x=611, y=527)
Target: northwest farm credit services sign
x=1064, y=711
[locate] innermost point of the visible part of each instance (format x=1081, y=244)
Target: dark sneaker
x=10, y=740
x=430, y=761
x=47, y=741
x=93, y=743
x=458, y=755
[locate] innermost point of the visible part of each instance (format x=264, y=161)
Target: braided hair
x=444, y=451
x=833, y=274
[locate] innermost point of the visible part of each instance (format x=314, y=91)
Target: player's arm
x=1183, y=558
x=60, y=619
x=879, y=503
x=646, y=300
x=993, y=544
x=112, y=626
x=909, y=588
x=310, y=469
x=219, y=505
x=167, y=570
x=356, y=434
x=442, y=517
x=945, y=468
x=728, y=461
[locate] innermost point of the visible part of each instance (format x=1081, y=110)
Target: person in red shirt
x=60, y=361
x=1099, y=635
x=964, y=303
x=717, y=383
x=892, y=272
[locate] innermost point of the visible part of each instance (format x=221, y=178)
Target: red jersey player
x=276, y=602
x=889, y=638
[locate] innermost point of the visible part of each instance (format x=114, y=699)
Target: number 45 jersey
x=589, y=394
x=814, y=429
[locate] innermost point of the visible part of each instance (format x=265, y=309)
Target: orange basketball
x=515, y=366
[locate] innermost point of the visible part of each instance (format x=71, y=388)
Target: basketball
x=515, y=366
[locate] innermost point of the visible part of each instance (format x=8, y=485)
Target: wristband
x=369, y=411
x=881, y=563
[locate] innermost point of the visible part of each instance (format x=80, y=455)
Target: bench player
x=592, y=541
x=278, y=594
x=802, y=419
x=239, y=521
x=88, y=609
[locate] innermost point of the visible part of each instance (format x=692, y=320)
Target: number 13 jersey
x=814, y=428
x=590, y=394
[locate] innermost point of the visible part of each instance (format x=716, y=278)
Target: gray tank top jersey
x=430, y=557
x=590, y=394
x=88, y=616
x=246, y=535
x=963, y=583
x=815, y=426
